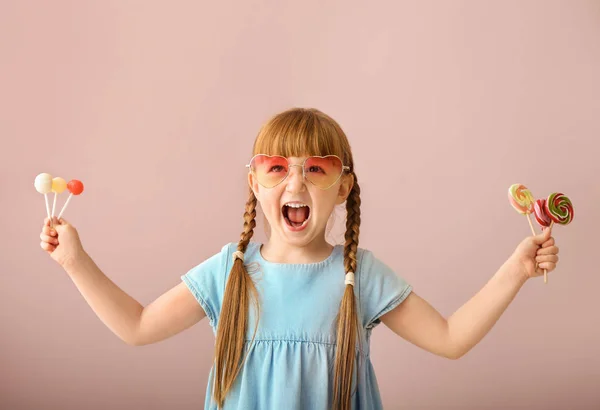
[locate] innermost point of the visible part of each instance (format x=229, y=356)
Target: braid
x=348, y=325
x=249, y=222
x=352, y=228
x=231, y=331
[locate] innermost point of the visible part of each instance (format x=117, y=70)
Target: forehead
x=291, y=159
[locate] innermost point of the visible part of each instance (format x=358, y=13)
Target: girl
x=293, y=317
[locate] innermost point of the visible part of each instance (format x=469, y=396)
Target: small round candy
x=75, y=187
x=559, y=208
x=520, y=198
x=539, y=210
x=58, y=185
x=43, y=183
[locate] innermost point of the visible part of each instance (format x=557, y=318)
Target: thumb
x=60, y=222
x=542, y=237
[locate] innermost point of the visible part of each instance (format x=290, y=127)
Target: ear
x=345, y=188
x=253, y=184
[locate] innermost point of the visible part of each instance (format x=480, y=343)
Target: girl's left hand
x=536, y=253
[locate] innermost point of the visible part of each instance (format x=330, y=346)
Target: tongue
x=298, y=215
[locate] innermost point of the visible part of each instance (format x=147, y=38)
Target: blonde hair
x=293, y=133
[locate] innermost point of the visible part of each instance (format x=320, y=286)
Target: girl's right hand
x=61, y=242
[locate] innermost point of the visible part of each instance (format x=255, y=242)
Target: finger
x=47, y=247
x=546, y=258
x=547, y=266
x=49, y=231
x=48, y=239
x=46, y=221
x=549, y=242
x=551, y=250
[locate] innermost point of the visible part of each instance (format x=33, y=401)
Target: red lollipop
x=75, y=187
x=541, y=216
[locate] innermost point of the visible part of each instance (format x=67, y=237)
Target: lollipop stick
x=47, y=205
x=530, y=224
x=54, y=205
x=536, y=264
x=48, y=209
x=546, y=270
x=65, y=206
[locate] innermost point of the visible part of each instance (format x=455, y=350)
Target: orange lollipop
x=75, y=187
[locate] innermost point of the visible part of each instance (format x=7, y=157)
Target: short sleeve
x=207, y=282
x=380, y=288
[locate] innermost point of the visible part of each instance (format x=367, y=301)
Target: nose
x=295, y=179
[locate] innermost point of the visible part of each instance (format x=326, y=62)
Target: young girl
x=293, y=317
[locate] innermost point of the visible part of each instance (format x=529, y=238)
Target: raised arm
x=171, y=313
x=419, y=323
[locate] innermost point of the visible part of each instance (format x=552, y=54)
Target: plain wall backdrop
x=155, y=105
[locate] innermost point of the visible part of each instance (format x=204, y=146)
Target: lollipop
x=75, y=187
x=522, y=201
x=541, y=216
x=43, y=184
x=58, y=186
x=559, y=208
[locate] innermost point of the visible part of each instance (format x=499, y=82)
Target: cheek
x=269, y=203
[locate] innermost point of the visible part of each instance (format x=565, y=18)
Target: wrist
x=516, y=270
x=76, y=262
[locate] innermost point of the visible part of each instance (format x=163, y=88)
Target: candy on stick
x=43, y=184
x=58, y=186
x=75, y=187
x=522, y=201
x=559, y=209
x=541, y=216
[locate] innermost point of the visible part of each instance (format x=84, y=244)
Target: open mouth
x=296, y=216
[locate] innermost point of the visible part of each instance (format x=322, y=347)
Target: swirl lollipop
x=58, y=186
x=43, y=184
x=559, y=208
x=522, y=201
x=541, y=216
x=75, y=187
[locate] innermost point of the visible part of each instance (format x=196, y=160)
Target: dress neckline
x=336, y=249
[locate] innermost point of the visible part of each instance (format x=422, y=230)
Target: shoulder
x=380, y=288
x=373, y=271
x=216, y=263
x=366, y=260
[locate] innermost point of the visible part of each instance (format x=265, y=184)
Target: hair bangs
x=299, y=132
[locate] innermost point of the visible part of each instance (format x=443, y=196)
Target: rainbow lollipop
x=522, y=201
x=75, y=187
x=43, y=184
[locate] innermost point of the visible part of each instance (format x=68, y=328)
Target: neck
x=278, y=251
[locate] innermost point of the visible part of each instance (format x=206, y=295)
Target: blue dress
x=290, y=364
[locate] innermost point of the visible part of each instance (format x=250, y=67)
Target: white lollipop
x=43, y=184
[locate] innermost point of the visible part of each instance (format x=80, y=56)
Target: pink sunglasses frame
x=345, y=168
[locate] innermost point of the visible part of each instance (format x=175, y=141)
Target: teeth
x=295, y=205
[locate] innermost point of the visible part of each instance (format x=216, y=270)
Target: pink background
x=155, y=106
